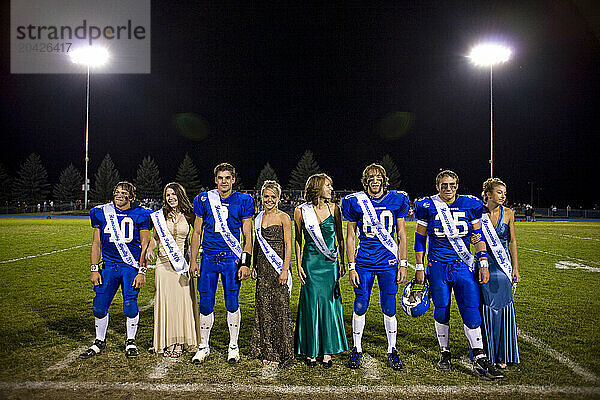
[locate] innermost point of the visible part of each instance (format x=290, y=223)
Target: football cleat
x=485, y=368
x=354, y=360
x=131, y=350
x=394, y=360
x=233, y=354
x=96, y=348
x=201, y=355
x=415, y=299
x=445, y=361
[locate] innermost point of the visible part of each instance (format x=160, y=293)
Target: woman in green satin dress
x=320, y=324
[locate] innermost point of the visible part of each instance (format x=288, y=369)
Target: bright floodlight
x=91, y=56
x=489, y=54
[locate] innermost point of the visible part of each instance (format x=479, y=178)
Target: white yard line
x=162, y=368
x=69, y=358
x=559, y=255
x=559, y=234
x=563, y=359
x=73, y=355
x=369, y=367
x=574, y=265
x=44, y=254
x=304, y=390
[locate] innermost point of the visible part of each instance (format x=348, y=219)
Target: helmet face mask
x=415, y=299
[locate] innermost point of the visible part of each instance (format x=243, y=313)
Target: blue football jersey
x=466, y=210
x=371, y=253
x=131, y=222
x=239, y=207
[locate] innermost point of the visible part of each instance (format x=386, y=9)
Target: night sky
x=274, y=82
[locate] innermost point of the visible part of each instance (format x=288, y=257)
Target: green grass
x=45, y=313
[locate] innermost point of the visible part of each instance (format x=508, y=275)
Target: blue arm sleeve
x=420, y=242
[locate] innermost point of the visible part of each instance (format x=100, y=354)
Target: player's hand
x=354, y=279
x=484, y=275
x=475, y=238
x=342, y=270
x=283, y=277
x=516, y=277
x=401, y=275
x=420, y=277
x=96, y=278
x=254, y=274
x=150, y=256
x=302, y=275
x=139, y=281
x=243, y=273
x=194, y=270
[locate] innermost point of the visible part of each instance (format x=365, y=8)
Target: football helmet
x=415, y=299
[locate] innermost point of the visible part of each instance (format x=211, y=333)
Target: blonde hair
x=271, y=185
x=374, y=167
x=314, y=187
x=489, y=185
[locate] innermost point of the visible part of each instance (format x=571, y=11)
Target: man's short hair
x=444, y=174
x=225, y=167
x=126, y=186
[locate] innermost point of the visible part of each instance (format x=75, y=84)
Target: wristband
x=246, y=259
x=403, y=263
x=419, y=267
x=142, y=270
x=351, y=266
x=483, y=264
x=482, y=254
x=94, y=268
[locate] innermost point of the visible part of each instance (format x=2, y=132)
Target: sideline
x=304, y=390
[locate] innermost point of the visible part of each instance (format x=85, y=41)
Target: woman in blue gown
x=497, y=308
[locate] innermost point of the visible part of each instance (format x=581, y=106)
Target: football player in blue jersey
x=220, y=216
x=449, y=220
x=121, y=235
x=377, y=213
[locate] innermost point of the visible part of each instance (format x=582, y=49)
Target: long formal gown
x=320, y=323
x=273, y=332
x=497, y=309
x=175, y=303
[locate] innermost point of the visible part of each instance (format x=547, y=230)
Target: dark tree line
x=31, y=184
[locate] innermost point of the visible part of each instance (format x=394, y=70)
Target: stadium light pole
x=90, y=57
x=488, y=55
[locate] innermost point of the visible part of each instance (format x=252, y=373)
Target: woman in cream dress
x=176, y=325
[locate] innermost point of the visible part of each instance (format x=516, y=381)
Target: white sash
x=112, y=223
x=220, y=217
x=493, y=241
x=382, y=234
x=312, y=226
x=451, y=231
x=169, y=244
x=271, y=255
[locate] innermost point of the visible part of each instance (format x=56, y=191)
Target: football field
x=46, y=321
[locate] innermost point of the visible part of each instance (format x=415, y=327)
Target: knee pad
x=471, y=317
x=442, y=315
x=99, y=307
x=206, y=306
x=130, y=308
x=361, y=304
x=388, y=305
x=232, y=303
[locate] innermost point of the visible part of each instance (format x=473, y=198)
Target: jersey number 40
x=126, y=230
x=387, y=220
